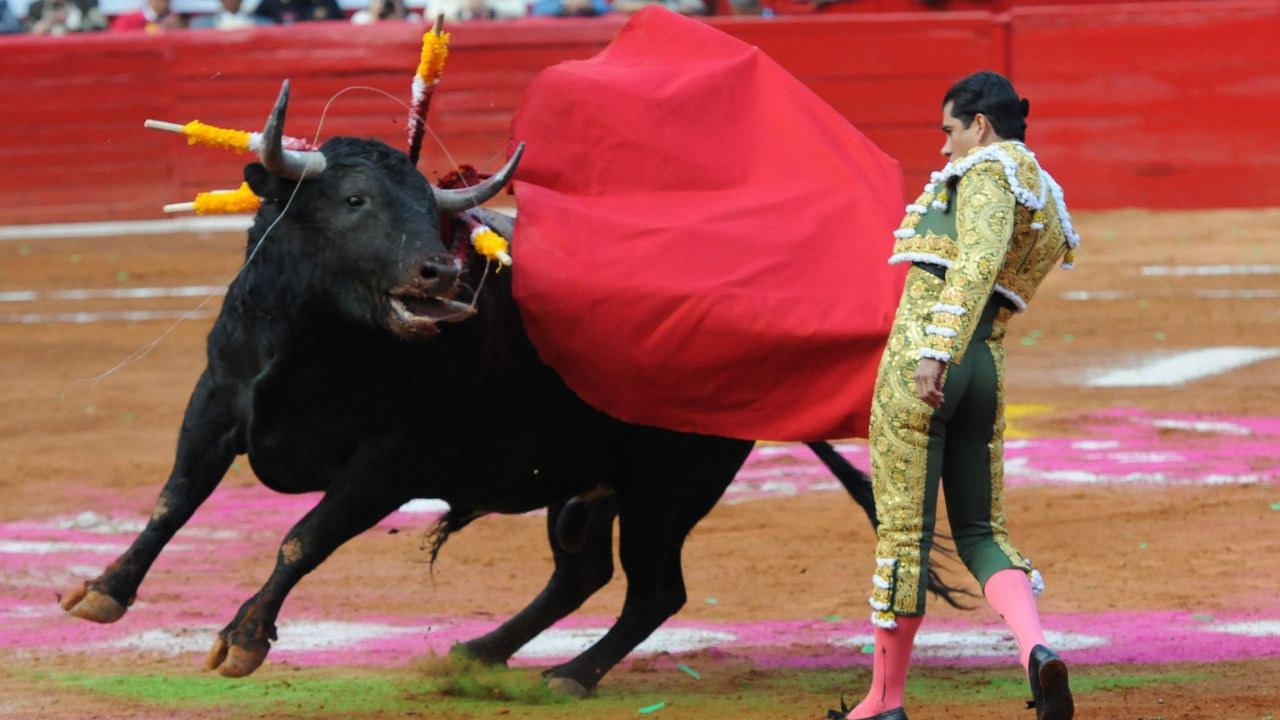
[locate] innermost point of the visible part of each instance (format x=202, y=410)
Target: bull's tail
x=858, y=486
x=449, y=523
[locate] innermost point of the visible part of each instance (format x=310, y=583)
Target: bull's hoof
x=570, y=687
x=234, y=661
x=89, y=604
x=467, y=654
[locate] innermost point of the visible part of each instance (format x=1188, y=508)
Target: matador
x=980, y=239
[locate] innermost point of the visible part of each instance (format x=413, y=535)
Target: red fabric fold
x=701, y=240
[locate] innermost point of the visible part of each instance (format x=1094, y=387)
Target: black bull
x=327, y=366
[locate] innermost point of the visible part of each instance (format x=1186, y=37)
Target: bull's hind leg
x=577, y=576
x=675, y=483
x=341, y=514
x=206, y=447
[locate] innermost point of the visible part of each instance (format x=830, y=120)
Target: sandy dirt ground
x=1153, y=512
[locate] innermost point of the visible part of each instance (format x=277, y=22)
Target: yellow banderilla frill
x=220, y=202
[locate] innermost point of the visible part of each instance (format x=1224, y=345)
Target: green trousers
x=914, y=446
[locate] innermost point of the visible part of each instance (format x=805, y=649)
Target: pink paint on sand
x=385, y=641
x=191, y=592
x=1114, y=446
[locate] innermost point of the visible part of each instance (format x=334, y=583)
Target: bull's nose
x=441, y=272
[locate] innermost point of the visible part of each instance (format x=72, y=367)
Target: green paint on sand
x=689, y=671
x=973, y=685
x=304, y=695
x=647, y=709
x=350, y=694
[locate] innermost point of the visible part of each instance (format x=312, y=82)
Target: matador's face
x=961, y=139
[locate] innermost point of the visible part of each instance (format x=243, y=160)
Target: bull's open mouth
x=416, y=316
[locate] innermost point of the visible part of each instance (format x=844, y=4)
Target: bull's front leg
x=346, y=510
x=206, y=447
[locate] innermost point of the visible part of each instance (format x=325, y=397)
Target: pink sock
x=1009, y=592
x=889, y=670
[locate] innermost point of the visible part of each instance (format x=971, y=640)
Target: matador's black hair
x=990, y=93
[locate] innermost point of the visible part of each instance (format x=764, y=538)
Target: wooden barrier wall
x=1153, y=105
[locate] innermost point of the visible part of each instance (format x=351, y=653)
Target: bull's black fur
x=306, y=377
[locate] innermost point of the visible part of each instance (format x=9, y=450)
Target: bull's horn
x=291, y=164
x=458, y=200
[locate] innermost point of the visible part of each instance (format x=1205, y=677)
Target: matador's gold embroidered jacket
x=1012, y=226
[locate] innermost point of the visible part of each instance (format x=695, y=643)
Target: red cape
x=702, y=241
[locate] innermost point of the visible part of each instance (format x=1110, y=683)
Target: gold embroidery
x=1031, y=253
x=900, y=447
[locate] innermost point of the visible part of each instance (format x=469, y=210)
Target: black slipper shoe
x=894, y=714
x=1050, y=691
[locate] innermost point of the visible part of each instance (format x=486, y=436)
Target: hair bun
x=1025, y=104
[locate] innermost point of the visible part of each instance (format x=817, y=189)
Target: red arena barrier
x=1151, y=105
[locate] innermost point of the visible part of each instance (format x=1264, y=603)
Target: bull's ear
x=264, y=184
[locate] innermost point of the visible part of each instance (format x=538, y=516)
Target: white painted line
x=295, y=636
x=566, y=642
x=1237, y=294
x=44, y=547
x=122, y=228
x=1185, y=270
x=1097, y=295
x=113, y=293
x=979, y=642
x=119, y=228
x=1183, y=367
x=1250, y=628
x=84, y=318
x=1246, y=294
x=425, y=505
x=1203, y=426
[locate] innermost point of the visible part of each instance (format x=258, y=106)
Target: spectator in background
x=9, y=23
x=287, y=12
x=154, y=16
x=455, y=10
x=232, y=16
x=381, y=10
x=684, y=7
x=59, y=17
x=568, y=8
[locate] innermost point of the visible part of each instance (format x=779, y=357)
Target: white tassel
x=880, y=583
x=931, y=354
x=904, y=233
x=886, y=562
x=1037, y=582
x=930, y=258
x=1011, y=296
x=886, y=624
x=941, y=331
x=949, y=309
x=876, y=604
x=914, y=209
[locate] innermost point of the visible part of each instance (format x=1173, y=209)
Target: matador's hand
x=929, y=381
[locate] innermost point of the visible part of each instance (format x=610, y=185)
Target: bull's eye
x=355, y=201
